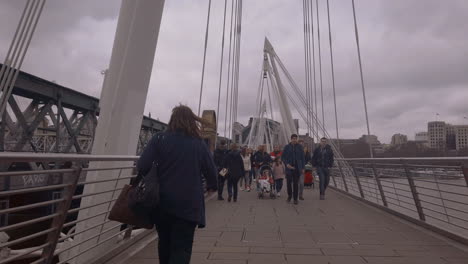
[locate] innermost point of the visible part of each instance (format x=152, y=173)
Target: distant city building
x=237, y=133
x=308, y=141
x=399, y=139
x=373, y=140
x=444, y=136
x=274, y=129
x=421, y=136
x=344, y=142
x=461, y=137
x=450, y=141
x=437, y=135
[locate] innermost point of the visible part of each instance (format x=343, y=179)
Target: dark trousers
x=279, y=184
x=221, y=180
x=324, y=178
x=292, y=184
x=233, y=186
x=175, y=239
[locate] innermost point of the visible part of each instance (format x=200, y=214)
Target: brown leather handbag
x=121, y=211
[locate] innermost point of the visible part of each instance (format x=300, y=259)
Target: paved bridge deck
x=337, y=230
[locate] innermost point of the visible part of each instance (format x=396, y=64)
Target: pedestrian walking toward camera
x=236, y=170
x=279, y=173
x=247, y=168
x=322, y=160
x=181, y=156
x=220, y=154
x=294, y=158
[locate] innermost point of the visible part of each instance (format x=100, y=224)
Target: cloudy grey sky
x=415, y=56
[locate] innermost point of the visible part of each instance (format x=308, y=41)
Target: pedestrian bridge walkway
x=337, y=230
x=379, y=211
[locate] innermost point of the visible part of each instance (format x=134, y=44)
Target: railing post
x=379, y=184
x=358, y=181
x=342, y=177
x=58, y=221
x=414, y=191
x=464, y=168
x=332, y=176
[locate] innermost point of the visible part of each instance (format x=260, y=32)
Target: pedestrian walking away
x=182, y=157
x=236, y=170
x=322, y=160
x=294, y=158
x=220, y=154
x=279, y=173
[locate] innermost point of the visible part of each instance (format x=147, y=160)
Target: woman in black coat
x=182, y=158
x=235, y=166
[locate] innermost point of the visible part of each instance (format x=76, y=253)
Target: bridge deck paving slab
x=337, y=230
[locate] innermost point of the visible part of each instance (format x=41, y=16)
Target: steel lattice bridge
x=65, y=157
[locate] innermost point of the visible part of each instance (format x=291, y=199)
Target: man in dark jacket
x=323, y=160
x=235, y=166
x=220, y=155
x=294, y=158
x=260, y=158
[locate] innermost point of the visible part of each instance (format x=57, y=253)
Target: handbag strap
x=141, y=175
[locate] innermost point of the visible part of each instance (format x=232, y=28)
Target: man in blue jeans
x=323, y=160
x=294, y=159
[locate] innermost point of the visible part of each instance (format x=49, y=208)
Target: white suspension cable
x=11, y=71
x=218, y=116
x=320, y=61
x=333, y=74
x=362, y=78
x=204, y=57
x=229, y=70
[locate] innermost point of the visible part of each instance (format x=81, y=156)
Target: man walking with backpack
x=323, y=159
x=294, y=159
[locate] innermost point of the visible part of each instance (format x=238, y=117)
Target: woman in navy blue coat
x=182, y=158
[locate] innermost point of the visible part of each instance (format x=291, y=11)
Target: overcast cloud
x=415, y=56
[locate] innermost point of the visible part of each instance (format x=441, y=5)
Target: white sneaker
x=278, y=195
x=241, y=188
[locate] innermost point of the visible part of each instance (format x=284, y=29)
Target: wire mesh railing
x=433, y=191
x=54, y=208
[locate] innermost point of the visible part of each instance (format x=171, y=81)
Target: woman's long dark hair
x=185, y=121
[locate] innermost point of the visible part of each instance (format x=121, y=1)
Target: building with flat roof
x=461, y=137
x=399, y=139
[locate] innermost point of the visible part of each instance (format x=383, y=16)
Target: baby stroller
x=266, y=182
x=308, y=176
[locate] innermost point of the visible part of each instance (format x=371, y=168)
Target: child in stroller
x=266, y=182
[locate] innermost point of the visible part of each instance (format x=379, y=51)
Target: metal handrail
x=382, y=179
x=57, y=218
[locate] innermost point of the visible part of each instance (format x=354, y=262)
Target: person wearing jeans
x=323, y=159
x=176, y=219
x=278, y=174
x=235, y=166
x=220, y=154
x=294, y=158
